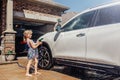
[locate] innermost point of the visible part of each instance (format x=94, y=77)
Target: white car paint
x=100, y=44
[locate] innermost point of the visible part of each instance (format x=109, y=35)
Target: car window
x=109, y=15
x=79, y=22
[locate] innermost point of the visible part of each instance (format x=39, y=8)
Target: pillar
x=9, y=33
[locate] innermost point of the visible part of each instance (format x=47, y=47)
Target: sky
x=80, y=5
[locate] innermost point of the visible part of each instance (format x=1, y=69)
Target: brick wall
x=20, y=5
x=3, y=15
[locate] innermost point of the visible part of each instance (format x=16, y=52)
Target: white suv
x=89, y=40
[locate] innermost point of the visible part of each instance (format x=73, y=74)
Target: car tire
x=45, y=60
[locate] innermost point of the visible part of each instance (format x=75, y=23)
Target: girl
x=32, y=51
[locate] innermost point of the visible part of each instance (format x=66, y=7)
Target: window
x=79, y=22
x=109, y=15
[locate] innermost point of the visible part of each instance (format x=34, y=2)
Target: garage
x=38, y=29
x=40, y=16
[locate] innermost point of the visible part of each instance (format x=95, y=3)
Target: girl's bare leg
x=36, y=65
x=28, y=67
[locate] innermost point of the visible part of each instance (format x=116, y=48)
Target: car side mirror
x=58, y=27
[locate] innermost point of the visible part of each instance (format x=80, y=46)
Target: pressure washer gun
x=41, y=39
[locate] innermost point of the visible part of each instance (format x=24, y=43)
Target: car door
x=72, y=41
x=103, y=40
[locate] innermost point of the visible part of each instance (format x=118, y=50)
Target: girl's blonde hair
x=25, y=33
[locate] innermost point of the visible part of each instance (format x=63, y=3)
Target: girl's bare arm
x=34, y=45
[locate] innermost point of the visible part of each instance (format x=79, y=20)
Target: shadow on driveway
x=83, y=74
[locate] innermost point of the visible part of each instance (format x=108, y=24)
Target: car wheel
x=44, y=58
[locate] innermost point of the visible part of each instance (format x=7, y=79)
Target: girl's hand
x=39, y=42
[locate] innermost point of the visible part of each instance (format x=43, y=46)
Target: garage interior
x=38, y=28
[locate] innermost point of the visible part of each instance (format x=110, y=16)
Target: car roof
x=105, y=5
x=95, y=8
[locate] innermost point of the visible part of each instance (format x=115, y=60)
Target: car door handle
x=80, y=35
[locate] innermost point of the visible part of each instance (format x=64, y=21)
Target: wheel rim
x=44, y=57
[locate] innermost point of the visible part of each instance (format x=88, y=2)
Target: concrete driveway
x=14, y=72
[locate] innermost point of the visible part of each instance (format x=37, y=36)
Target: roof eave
x=64, y=8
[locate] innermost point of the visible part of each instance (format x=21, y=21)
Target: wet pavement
x=83, y=74
x=15, y=72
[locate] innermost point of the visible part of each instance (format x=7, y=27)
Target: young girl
x=32, y=51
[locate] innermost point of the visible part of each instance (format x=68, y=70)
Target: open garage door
x=38, y=29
